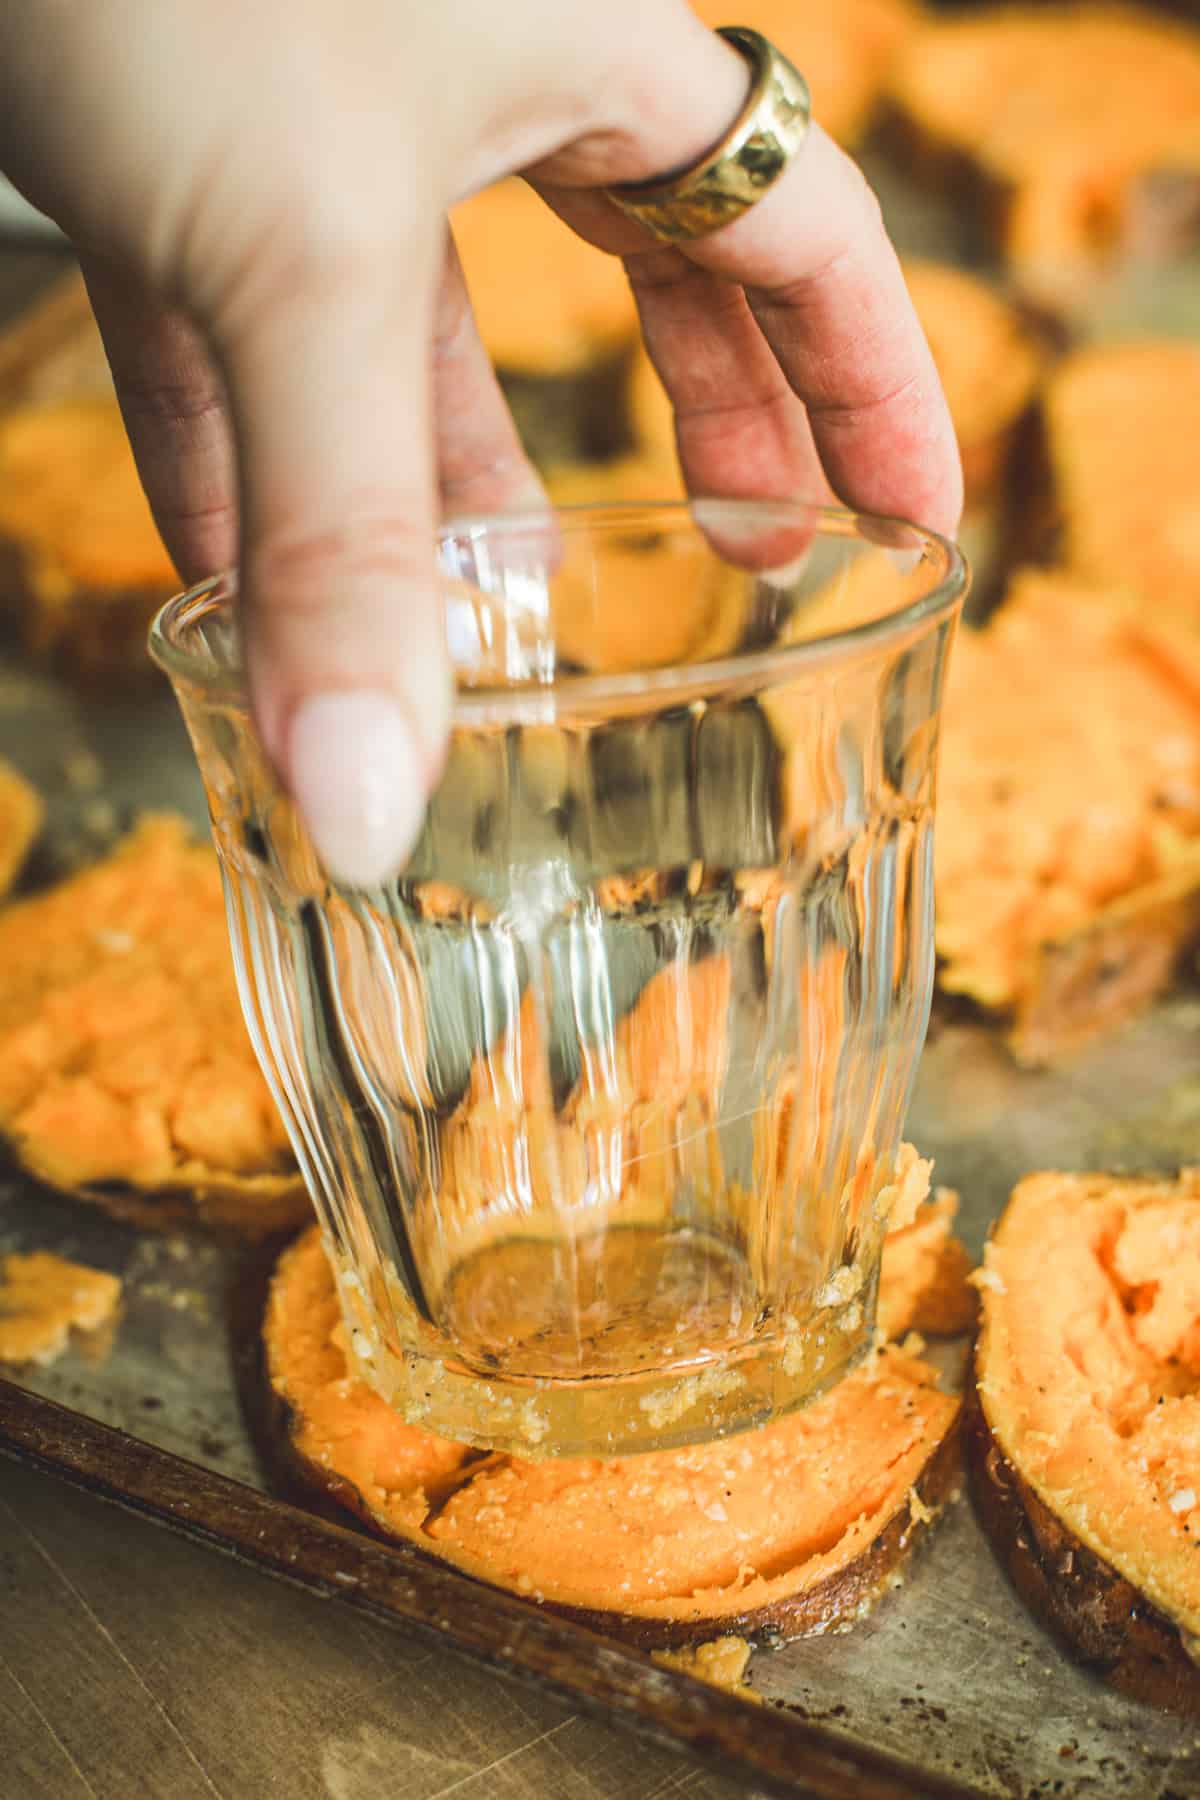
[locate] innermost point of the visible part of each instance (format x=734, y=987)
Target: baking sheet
x=949, y=1688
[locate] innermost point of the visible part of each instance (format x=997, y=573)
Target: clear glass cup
x=599, y=1101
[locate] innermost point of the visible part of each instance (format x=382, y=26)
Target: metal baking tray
x=950, y=1688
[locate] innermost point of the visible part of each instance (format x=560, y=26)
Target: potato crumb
x=988, y=1278
x=842, y=1286
x=900, y=1201
x=918, y=1511
x=1183, y=1500
x=722, y=1663
x=43, y=1298
x=668, y=1408
x=21, y=813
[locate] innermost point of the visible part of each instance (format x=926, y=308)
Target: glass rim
x=674, y=682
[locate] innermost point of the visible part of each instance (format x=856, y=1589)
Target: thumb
x=329, y=386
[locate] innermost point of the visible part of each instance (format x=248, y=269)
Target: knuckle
x=314, y=570
x=165, y=402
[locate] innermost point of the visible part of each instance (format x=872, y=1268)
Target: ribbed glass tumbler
x=600, y=1100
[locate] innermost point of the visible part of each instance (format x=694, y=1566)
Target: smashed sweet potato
x=52, y=350
x=644, y=602
x=1087, y=1429
x=43, y=1298
x=1121, y=424
x=126, y=1074
x=989, y=362
x=643, y=599
x=639, y=477
x=925, y=1280
x=639, y=1122
x=1080, y=122
x=546, y=301
x=844, y=47
x=21, y=813
x=1068, y=846
x=89, y=565
x=795, y=1526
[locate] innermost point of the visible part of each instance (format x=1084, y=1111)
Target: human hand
x=259, y=194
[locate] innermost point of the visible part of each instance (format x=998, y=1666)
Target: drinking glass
x=600, y=1100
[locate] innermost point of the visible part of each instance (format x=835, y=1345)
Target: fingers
x=481, y=464
x=826, y=288
x=173, y=404
x=343, y=624
x=328, y=375
x=740, y=429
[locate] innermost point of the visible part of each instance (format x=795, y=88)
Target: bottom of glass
x=626, y=1410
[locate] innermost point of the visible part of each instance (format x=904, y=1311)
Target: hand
x=258, y=194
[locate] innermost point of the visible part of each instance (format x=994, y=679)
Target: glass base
x=503, y=1307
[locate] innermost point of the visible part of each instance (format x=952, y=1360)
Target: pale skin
x=259, y=194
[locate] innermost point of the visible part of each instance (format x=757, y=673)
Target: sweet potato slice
x=21, y=813
x=1068, y=849
x=1121, y=422
x=88, y=566
x=52, y=351
x=1079, y=122
x=844, y=47
x=43, y=1298
x=126, y=1074
x=989, y=361
x=1087, y=1426
x=547, y=302
x=795, y=1526
x=557, y=318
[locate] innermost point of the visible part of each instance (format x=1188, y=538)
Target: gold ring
x=748, y=160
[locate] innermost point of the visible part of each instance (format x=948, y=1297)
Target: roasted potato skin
x=1101, y=1618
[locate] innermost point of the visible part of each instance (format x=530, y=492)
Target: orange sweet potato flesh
x=1068, y=847
x=125, y=1069
x=21, y=813
x=43, y=1298
x=925, y=1282
x=844, y=47
x=642, y=601
x=546, y=302
x=53, y=350
x=74, y=520
x=1088, y=1379
x=796, y=1524
x=1065, y=109
x=988, y=360
x=505, y=1147
x=1121, y=424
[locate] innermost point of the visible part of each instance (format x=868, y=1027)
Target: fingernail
x=357, y=774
